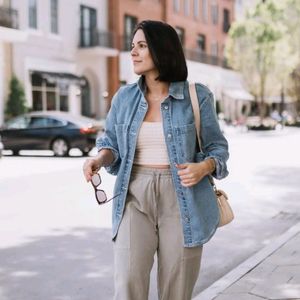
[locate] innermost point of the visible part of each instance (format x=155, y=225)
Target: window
x=38, y=122
x=201, y=42
x=214, y=49
x=214, y=13
x=180, y=32
x=54, y=122
x=48, y=96
x=226, y=20
x=196, y=9
x=54, y=15
x=129, y=24
x=32, y=14
x=88, y=26
x=186, y=7
x=18, y=123
x=204, y=10
x=42, y=122
x=176, y=5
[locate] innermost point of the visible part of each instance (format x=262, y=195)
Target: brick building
x=75, y=57
x=202, y=26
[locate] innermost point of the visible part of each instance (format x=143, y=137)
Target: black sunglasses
x=100, y=194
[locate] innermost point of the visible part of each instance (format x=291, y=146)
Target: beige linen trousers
x=151, y=224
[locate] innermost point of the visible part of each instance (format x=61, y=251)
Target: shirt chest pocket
x=185, y=136
x=121, y=134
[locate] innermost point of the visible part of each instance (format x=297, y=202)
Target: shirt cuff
x=221, y=168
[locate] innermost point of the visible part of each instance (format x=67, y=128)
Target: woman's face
x=140, y=54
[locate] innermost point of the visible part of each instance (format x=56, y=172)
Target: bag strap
x=196, y=110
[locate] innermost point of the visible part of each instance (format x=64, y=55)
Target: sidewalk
x=272, y=273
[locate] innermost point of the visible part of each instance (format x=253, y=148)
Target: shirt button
x=169, y=136
x=166, y=107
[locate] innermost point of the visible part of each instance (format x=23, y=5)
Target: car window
x=37, y=122
x=42, y=122
x=18, y=123
x=54, y=122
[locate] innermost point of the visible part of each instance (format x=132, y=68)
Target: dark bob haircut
x=165, y=49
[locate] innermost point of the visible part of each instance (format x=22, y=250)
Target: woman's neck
x=156, y=87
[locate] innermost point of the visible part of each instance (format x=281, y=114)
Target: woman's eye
x=142, y=46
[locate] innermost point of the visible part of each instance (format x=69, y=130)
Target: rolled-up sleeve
x=214, y=144
x=108, y=140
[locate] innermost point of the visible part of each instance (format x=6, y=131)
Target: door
x=86, y=100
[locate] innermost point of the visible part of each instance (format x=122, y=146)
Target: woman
x=165, y=202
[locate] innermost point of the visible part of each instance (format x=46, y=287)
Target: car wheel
x=15, y=152
x=60, y=147
x=86, y=151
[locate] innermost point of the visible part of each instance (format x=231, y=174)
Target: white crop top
x=151, y=147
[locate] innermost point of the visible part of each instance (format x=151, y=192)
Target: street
x=55, y=239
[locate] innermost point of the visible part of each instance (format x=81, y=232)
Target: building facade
x=63, y=62
x=202, y=26
x=75, y=57
x=9, y=34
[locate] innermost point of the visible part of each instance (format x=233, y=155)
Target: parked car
x=57, y=131
x=1, y=147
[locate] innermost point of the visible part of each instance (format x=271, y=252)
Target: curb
x=234, y=275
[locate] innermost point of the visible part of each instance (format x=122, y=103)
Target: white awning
x=238, y=94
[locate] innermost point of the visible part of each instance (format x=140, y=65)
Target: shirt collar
x=175, y=89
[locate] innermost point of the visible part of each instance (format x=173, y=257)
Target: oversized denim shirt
x=197, y=204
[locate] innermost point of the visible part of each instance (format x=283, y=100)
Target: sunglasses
x=100, y=194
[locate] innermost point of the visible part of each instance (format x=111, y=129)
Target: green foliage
x=15, y=104
x=292, y=21
x=264, y=46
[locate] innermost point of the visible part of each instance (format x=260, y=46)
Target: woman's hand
x=90, y=167
x=93, y=165
x=191, y=173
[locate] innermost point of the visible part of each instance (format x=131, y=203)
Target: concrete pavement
x=56, y=241
x=271, y=273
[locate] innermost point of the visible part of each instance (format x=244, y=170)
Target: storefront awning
x=238, y=94
x=65, y=79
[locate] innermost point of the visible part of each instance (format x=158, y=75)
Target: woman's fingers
x=188, y=184
x=190, y=173
x=186, y=176
x=87, y=170
x=90, y=166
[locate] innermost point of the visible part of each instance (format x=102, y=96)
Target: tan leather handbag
x=226, y=213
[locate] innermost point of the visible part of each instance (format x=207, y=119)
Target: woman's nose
x=133, y=52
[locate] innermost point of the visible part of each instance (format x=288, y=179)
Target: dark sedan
x=57, y=131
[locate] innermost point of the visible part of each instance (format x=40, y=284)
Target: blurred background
x=61, y=61
x=73, y=55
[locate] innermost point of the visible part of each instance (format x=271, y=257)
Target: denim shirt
x=197, y=204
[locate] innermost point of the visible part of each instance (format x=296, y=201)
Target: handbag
x=225, y=211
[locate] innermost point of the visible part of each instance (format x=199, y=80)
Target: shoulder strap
x=196, y=110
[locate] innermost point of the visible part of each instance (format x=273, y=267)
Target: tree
x=292, y=21
x=16, y=100
x=252, y=45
